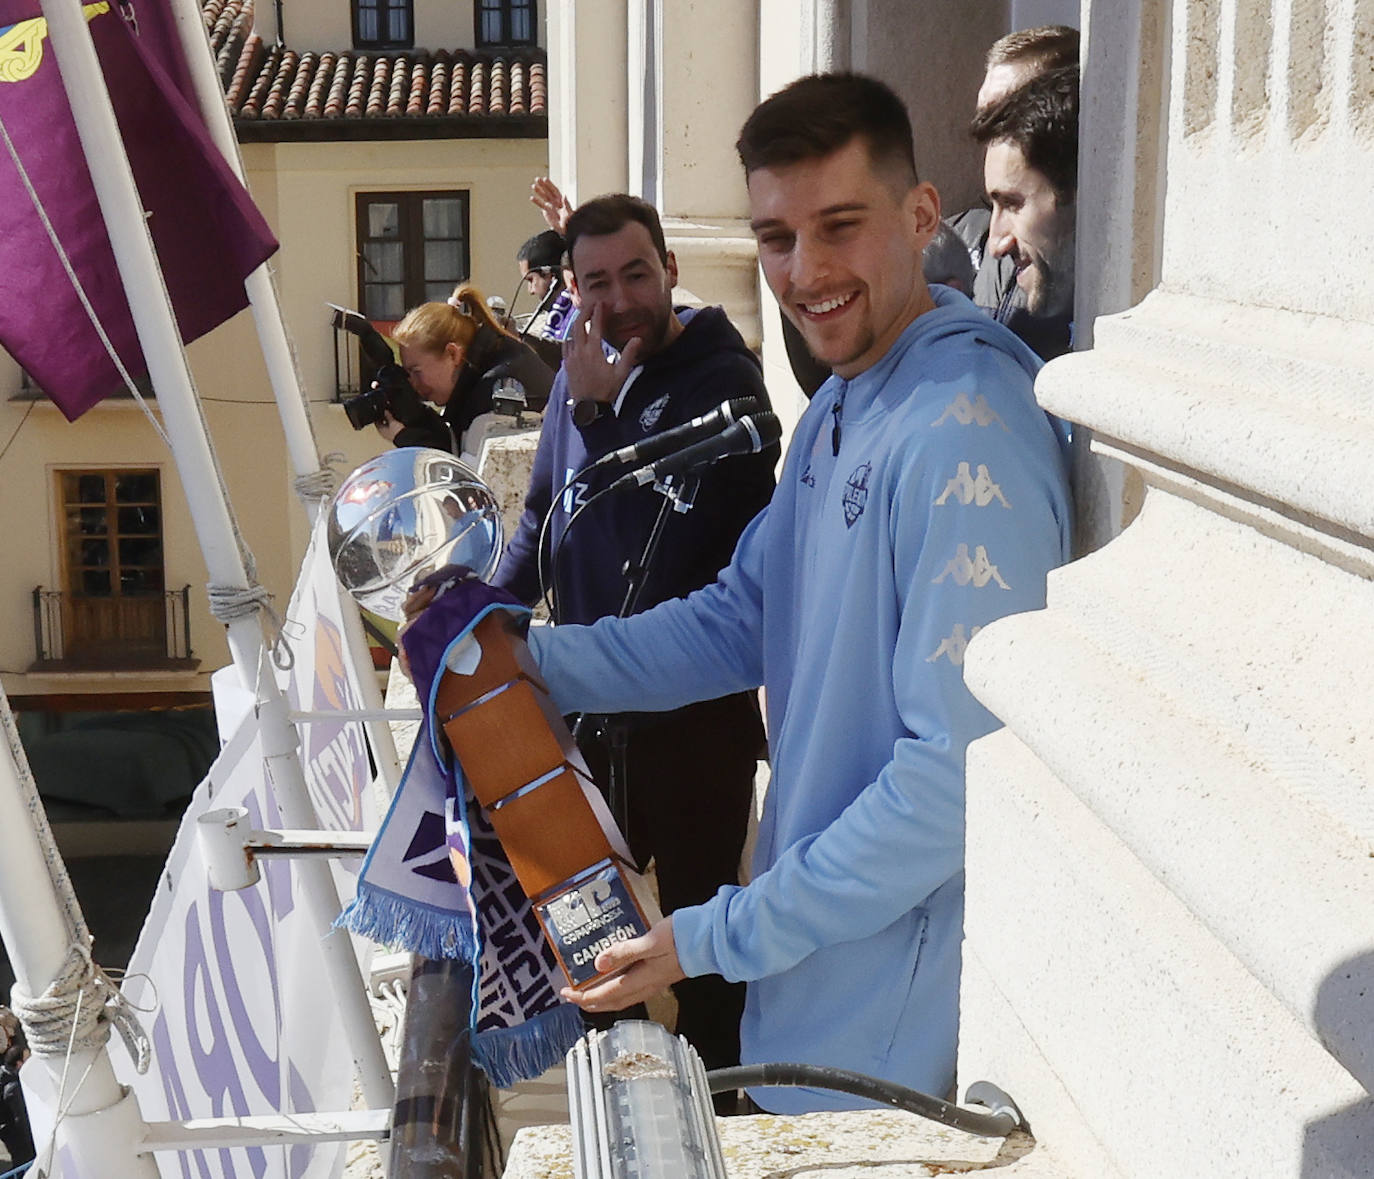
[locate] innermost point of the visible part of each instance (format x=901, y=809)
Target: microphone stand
x=679, y=496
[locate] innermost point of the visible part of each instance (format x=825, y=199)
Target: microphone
x=751, y=434
x=657, y=445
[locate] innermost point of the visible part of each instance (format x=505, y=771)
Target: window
x=113, y=605
x=505, y=22
x=412, y=248
x=383, y=24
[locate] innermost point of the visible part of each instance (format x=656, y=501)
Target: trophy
x=407, y=513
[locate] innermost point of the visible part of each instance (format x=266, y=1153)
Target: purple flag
x=208, y=233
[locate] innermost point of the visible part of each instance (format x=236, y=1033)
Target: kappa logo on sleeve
x=977, y=569
x=970, y=413
x=970, y=490
x=855, y=497
x=954, y=645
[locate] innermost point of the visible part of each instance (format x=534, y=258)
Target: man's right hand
x=590, y=376
x=548, y=198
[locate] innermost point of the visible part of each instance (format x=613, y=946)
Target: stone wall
x=1170, y=956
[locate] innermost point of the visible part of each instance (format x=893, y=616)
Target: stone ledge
x=1142, y=1015
x=1250, y=398
x=869, y=1144
x=1283, y=891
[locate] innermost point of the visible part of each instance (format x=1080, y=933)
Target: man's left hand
x=648, y=964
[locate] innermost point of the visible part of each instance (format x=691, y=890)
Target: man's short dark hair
x=1041, y=118
x=819, y=114
x=1049, y=47
x=544, y=251
x=610, y=214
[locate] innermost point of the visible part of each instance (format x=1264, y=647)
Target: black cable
x=546, y=588
x=558, y=550
x=997, y=1123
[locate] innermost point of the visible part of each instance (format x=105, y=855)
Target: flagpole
x=102, y=1124
x=287, y=386
x=285, y=377
x=122, y=212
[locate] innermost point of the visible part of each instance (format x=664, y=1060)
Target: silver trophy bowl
x=403, y=515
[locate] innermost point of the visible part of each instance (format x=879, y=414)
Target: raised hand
x=548, y=198
x=590, y=376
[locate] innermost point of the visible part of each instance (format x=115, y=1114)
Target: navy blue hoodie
x=707, y=364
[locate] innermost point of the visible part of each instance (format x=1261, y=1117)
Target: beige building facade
x=106, y=586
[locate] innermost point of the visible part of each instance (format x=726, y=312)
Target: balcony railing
x=118, y=632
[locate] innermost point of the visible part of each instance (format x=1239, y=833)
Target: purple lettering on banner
x=178, y=1109
x=261, y=1063
x=215, y=1067
x=335, y=754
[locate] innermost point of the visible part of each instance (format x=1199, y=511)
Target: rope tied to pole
x=77, y=1010
x=323, y=483
x=229, y=603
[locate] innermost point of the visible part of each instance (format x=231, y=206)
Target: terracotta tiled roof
x=274, y=84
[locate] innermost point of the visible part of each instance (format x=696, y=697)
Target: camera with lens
x=391, y=391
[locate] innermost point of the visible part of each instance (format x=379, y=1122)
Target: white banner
x=240, y=1015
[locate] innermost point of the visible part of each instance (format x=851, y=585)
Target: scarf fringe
x=520, y=1053
x=392, y=920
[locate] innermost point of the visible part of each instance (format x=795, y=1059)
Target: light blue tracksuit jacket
x=851, y=598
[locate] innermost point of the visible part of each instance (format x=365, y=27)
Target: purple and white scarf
x=436, y=881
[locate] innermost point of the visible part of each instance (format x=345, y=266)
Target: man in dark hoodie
x=636, y=366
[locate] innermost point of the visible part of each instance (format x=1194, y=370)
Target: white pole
x=287, y=386
x=102, y=1122
x=122, y=212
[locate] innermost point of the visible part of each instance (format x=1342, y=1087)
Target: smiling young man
x=689, y=773
x=1031, y=174
x=924, y=495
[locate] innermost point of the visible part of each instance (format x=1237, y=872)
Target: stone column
x=705, y=61
x=1170, y=950
x=1120, y=217
x=588, y=97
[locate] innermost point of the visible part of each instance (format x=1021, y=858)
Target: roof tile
x=274, y=83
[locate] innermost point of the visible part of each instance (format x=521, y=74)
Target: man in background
x=634, y=366
x=946, y=261
x=1030, y=172
x=1013, y=61
x=540, y=259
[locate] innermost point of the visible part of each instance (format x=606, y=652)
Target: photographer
x=455, y=355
